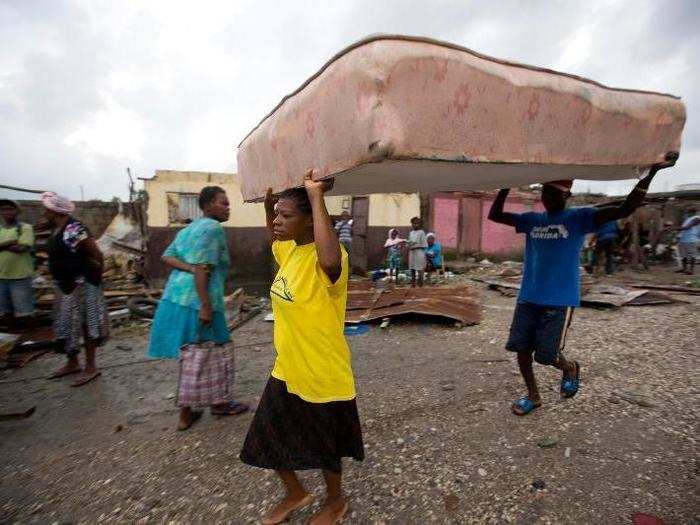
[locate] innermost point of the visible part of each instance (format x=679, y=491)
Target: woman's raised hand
x=315, y=187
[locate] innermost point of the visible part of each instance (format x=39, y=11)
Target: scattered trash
x=358, y=329
x=639, y=518
x=14, y=416
x=635, y=398
x=548, y=442
x=669, y=288
x=269, y=318
x=538, y=484
x=567, y=452
x=482, y=472
x=451, y=502
x=385, y=322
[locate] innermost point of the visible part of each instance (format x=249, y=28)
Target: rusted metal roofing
x=459, y=303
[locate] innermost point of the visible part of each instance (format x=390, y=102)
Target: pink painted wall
x=497, y=239
x=446, y=221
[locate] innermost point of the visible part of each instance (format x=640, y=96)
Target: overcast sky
x=90, y=87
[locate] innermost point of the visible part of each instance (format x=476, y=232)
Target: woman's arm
x=176, y=263
x=270, y=214
x=201, y=282
x=325, y=237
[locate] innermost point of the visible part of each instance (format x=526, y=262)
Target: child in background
x=393, y=247
x=433, y=254
x=417, y=244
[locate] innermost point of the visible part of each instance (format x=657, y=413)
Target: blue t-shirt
x=551, y=274
x=691, y=235
x=434, y=253
x=607, y=232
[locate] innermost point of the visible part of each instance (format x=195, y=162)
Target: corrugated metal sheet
x=459, y=303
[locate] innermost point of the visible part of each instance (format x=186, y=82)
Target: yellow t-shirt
x=313, y=358
x=16, y=265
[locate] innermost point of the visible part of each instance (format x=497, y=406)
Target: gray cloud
x=86, y=91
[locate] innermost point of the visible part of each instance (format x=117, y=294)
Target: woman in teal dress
x=192, y=306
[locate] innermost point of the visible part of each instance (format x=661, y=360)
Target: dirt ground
x=442, y=444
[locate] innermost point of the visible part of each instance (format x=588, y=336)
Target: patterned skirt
x=288, y=433
x=81, y=313
x=175, y=325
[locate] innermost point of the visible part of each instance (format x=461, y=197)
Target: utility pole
x=82, y=193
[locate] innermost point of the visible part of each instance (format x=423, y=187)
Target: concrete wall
x=96, y=215
x=502, y=241
x=460, y=222
x=393, y=209
x=165, y=181
x=246, y=228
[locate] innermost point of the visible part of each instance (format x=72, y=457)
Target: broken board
x=397, y=113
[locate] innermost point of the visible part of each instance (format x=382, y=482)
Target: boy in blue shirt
x=550, y=287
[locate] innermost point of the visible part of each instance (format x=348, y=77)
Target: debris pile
x=458, y=303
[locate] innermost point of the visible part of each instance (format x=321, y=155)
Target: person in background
x=16, y=266
x=688, y=238
x=551, y=283
x=665, y=242
x=393, y=246
x=192, y=307
x=344, y=229
x=307, y=417
x=606, y=237
x=80, y=313
x=417, y=244
x=433, y=255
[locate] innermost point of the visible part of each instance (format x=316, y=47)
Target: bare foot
x=68, y=369
x=188, y=417
x=89, y=374
x=281, y=512
x=331, y=512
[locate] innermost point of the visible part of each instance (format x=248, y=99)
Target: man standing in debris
x=550, y=287
x=606, y=237
x=16, y=265
x=688, y=236
x=344, y=229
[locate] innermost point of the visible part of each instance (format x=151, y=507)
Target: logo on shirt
x=551, y=232
x=281, y=289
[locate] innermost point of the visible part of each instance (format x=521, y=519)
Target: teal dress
x=176, y=321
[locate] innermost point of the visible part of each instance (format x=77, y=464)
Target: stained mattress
x=405, y=114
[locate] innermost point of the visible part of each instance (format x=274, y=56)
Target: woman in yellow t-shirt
x=307, y=417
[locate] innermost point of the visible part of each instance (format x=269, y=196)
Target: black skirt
x=288, y=433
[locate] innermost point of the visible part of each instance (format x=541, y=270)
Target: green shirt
x=16, y=265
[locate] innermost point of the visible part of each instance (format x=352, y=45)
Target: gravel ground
x=442, y=445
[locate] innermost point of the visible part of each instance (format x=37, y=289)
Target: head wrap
x=431, y=234
x=561, y=185
x=56, y=203
x=393, y=242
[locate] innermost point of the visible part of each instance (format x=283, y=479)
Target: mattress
x=408, y=114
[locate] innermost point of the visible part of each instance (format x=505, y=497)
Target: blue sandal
x=569, y=385
x=524, y=406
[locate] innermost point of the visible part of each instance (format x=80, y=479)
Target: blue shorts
x=16, y=297
x=540, y=329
